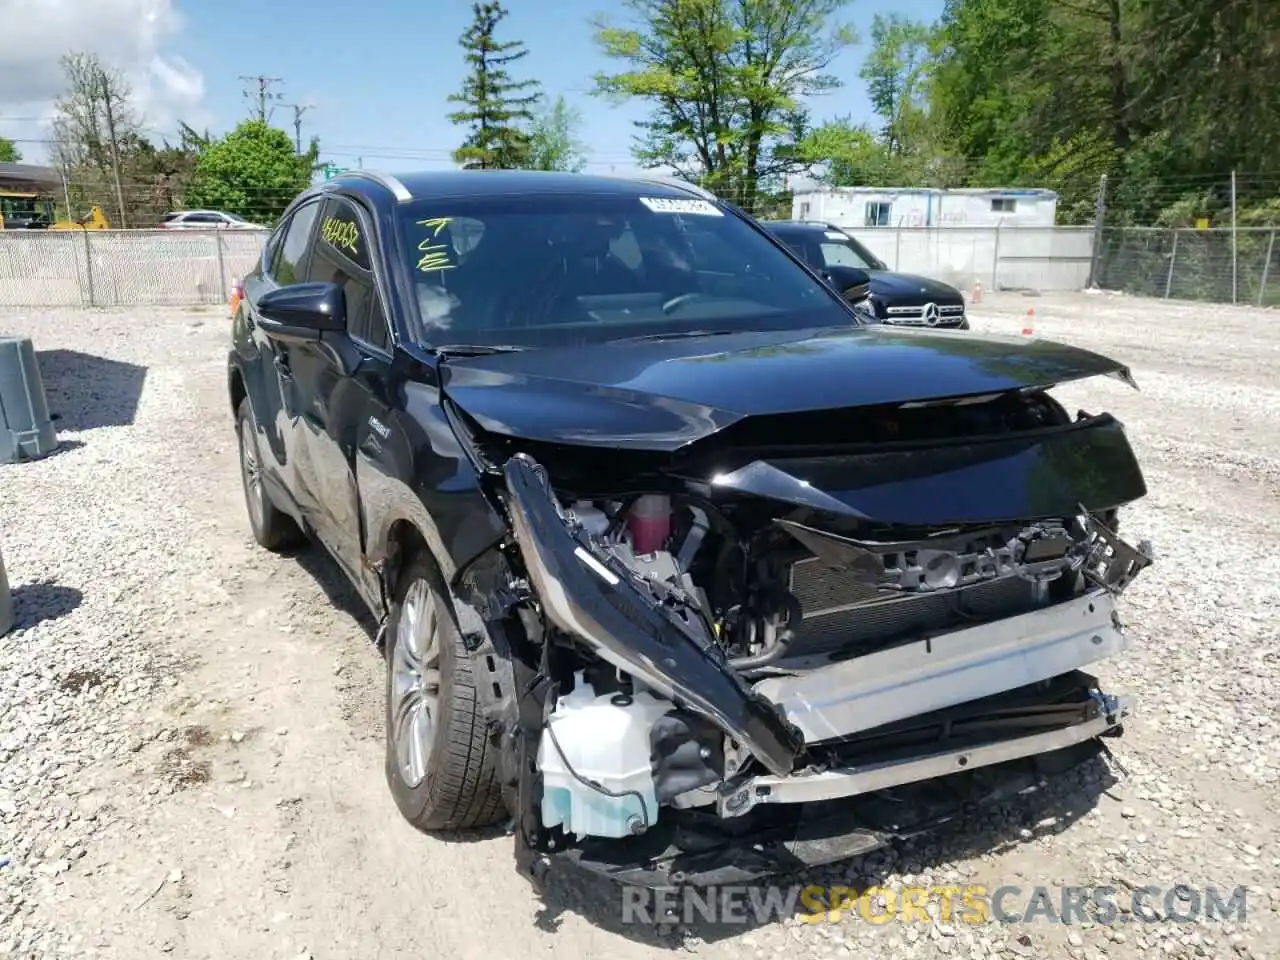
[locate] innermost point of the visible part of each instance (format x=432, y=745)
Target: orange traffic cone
x=1029, y=325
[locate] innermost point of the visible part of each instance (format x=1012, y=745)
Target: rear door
x=277, y=403
x=347, y=402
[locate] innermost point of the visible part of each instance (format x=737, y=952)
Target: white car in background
x=205, y=220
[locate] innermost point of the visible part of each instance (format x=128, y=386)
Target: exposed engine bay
x=774, y=632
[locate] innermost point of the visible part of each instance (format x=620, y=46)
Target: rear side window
x=289, y=262
x=272, y=247
x=342, y=256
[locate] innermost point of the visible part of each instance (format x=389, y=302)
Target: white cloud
x=131, y=35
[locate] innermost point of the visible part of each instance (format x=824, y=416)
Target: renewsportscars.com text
x=971, y=903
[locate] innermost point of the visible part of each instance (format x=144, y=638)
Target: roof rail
x=398, y=189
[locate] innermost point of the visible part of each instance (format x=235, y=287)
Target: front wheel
x=440, y=764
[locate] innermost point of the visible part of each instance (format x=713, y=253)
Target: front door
x=345, y=389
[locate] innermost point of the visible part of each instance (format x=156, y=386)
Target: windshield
x=25, y=208
x=841, y=250
x=235, y=218
x=558, y=270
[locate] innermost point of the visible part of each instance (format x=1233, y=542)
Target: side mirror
x=852, y=283
x=303, y=311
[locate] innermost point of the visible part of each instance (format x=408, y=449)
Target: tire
x=272, y=528
x=442, y=772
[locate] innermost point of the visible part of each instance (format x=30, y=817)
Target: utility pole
x=259, y=92
x=298, y=111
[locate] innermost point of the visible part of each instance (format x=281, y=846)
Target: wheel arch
x=236, y=387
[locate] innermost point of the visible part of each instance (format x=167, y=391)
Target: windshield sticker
x=698, y=208
x=435, y=256
x=342, y=234
x=832, y=235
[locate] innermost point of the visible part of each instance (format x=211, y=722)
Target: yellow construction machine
x=22, y=210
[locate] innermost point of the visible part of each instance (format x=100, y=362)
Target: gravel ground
x=190, y=736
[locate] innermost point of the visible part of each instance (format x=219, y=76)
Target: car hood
x=889, y=284
x=663, y=395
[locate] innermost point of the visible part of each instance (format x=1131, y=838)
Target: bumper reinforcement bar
x=848, y=782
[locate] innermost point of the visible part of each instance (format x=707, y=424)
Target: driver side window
x=342, y=256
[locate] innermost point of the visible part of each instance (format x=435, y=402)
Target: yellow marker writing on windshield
x=434, y=257
x=435, y=225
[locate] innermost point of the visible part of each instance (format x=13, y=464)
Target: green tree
x=848, y=155
x=1165, y=97
x=726, y=81
x=895, y=72
x=9, y=151
x=496, y=108
x=253, y=171
x=553, y=141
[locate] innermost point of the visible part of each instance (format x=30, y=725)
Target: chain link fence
x=116, y=268
x=1216, y=265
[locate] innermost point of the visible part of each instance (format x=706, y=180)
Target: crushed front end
x=769, y=653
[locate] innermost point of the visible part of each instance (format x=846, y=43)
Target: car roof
x=497, y=183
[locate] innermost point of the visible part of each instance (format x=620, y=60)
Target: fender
x=419, y=473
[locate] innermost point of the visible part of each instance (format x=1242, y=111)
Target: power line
x=259, y=91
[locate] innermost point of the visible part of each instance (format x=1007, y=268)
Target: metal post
x=1173, y=257
x=222, y=271
x=1266, y=267
x=1234, y=245
x=995, y=260
x=1099, y=220
x=88, y=263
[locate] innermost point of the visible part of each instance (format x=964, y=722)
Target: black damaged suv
x=678, y=565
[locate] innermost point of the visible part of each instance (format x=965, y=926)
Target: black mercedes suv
x=901, y=299
x=678, y=565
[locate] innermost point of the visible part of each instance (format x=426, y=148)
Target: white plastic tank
x=604, y=739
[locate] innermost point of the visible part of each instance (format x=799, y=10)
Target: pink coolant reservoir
x=649, y=523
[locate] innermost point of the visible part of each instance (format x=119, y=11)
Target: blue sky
x=377, y=72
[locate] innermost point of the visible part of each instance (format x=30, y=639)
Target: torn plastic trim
x=584, y=597
x=1039, y=552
